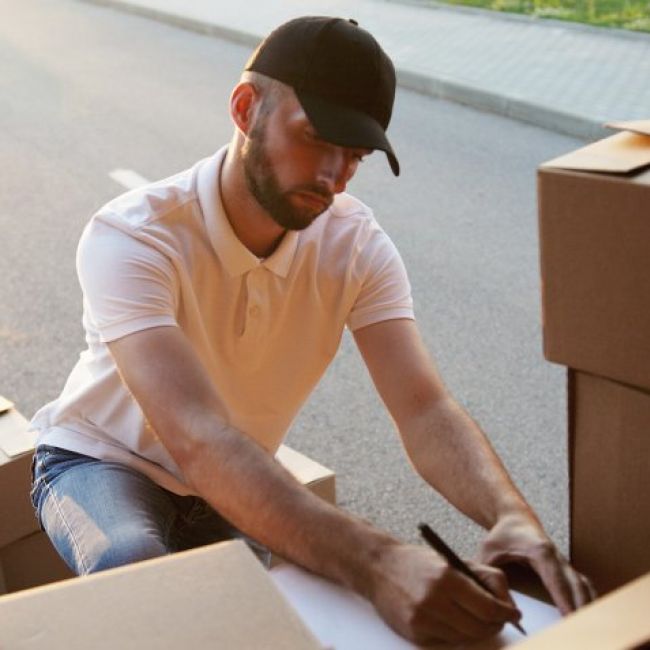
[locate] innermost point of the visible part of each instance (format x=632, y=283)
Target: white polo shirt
x=266, y=330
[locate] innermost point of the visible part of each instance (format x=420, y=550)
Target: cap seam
x=324, y=29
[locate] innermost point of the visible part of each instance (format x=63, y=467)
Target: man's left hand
x=521, y=539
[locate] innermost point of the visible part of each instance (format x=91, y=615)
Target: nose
x=337, y=168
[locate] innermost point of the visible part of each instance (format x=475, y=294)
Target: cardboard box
x=217, y=596
x=27, y=558
x=30, y=562
x=594, y=221
x=609, y=455
x=318, y=478
x=16, y=443
x=618, y=621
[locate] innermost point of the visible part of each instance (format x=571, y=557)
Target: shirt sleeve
x=127, y=284
x=385, y=292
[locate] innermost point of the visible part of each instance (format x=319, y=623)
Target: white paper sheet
x=342, y=620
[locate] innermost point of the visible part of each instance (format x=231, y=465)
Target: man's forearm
x=254, y=492
x=453, y=455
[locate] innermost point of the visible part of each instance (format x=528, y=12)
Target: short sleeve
x=385, y=292
x=127, y=284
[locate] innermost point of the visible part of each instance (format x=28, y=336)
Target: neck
x=250, y=222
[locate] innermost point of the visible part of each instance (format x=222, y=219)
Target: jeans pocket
x=48, y=464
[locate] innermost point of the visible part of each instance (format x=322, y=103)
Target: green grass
x=625, y=14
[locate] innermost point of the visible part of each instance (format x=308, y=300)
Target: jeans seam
x=68, y=529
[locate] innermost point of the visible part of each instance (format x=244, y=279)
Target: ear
x=243, y=101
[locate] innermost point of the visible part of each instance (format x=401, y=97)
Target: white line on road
x=128, y=178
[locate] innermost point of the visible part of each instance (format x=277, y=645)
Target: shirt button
x=254, y=311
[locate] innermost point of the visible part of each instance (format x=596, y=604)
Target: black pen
x=437, y=544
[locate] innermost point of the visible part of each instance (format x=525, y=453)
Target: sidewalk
x=564, y=77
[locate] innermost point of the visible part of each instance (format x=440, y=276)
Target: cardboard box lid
x=622, y=153
x=635, y=126
x=15, y=437
x=5, y=404
x=218, y=596
x=616, y=622
x=303, y=468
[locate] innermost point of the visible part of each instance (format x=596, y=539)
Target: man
x=213, y=302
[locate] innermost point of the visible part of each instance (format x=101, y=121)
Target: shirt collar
x=235, y=257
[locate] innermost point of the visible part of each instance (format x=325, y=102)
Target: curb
x=484, y=100
x=510, y=107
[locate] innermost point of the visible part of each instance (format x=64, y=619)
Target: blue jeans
x=101, y=515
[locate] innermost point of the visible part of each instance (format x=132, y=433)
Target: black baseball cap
x=342, y=78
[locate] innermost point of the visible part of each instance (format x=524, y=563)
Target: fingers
x=568, y=588
x=497, y=609
x=583, y=590
x=496, y=580
x=469, y=612
x=455, y=624
x=520, y=538
x=426, y=600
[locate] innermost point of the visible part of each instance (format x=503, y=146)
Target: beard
x=263, y=184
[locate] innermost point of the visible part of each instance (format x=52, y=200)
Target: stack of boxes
x=594, y=215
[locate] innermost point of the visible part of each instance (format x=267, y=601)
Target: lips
x=315, y=201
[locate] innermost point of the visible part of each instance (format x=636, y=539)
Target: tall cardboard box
x=594, y=220
x=610, y=479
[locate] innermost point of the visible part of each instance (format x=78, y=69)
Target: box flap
x=304, y=469
x=635, y=126
x=620, y=154
x=218, y=596
x=15, y=436
x=618, y=621
x=5, y=404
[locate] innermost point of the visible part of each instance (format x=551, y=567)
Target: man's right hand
x=422, y=598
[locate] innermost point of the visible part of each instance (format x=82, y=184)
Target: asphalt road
x=85, y=90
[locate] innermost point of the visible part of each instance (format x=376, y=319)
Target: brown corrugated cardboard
x=609, y=439
x=16, y=512
x=320, y=480
x=217, y=596
x=618, y=621
x=635, y=126
x=620, y=153
x=595, y=262
x=29, y=562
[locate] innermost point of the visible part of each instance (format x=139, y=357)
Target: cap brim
x=346, y=127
